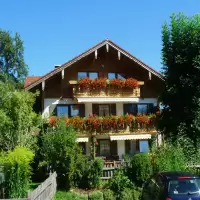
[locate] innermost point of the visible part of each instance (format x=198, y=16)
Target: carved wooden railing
x=106, y=92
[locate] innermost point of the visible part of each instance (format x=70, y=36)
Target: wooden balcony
x=108, y=92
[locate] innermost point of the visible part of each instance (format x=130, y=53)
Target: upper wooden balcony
x=106, y=91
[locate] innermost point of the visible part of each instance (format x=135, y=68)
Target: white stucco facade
x=88, y=105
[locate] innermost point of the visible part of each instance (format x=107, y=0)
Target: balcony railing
x=105, y=89
x=109, y=125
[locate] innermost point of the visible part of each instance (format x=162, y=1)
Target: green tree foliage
x=62, y=154
x=16, y=166
x=181, y=60
x=12, y=65
x=18, y=121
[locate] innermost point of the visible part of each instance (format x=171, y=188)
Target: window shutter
x=126, y=108
x=113, y=109
x=82, y=110
x=127, y=146
x=150, y=108
x=137, y=145
x=95, y=109
x=113, y=147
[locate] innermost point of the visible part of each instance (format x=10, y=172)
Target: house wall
x=121, y=148
x=106, y=62
x=52, y=102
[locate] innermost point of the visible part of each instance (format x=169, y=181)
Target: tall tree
x=181, y=61
x=12, y=66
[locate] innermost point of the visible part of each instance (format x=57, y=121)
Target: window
x=111, y=76
x=91, y=75
x=121, y=76
x=82, y=75
x=134, y=109
x=68, y=110
x=104, y=147
x=144, y=146
x=74, y=110
x=142, y=108
x=104, y=110
x=62, y=111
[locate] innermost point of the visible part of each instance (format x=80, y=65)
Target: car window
x=183, y=186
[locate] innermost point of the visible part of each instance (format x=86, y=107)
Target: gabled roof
x=31, y=79
x=86, y=53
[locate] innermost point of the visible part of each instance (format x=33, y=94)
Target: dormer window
x=91, y=75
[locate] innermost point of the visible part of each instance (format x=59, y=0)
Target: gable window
x=112, y=76
x=70, y=110
x=91, y=75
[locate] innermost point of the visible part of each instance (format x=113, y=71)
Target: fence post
x=29, y=195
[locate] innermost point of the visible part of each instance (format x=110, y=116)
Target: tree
x=181, y=61
x=19, y=123
x=12, y=65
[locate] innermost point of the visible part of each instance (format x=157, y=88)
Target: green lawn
x=60, y=195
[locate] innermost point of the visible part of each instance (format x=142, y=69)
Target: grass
x=61, y=195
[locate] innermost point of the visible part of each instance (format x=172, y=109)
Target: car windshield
x=184, y=186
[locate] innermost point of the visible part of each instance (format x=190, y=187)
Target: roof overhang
x=130, y=137
x=105, y=99
x=82, y=139
x=88, y=52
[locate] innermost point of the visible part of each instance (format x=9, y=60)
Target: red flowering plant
x=131, y=83
x=128, y=119
x=52, y=120
x=85, y=83
x=117, y=83
x=98, y=83
x=142, y=120
x=120, y=122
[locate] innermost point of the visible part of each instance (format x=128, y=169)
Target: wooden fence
x=45, y=191
x=109, y=168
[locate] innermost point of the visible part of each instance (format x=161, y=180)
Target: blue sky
x=55, y=31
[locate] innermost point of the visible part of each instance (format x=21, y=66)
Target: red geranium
x=142, y=119
x=131, y=83
x=52, y=120
x=98, y=83
x=85, y=83
x=128, y=119
x=117, y=83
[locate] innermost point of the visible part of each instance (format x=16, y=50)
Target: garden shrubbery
x=17, y=170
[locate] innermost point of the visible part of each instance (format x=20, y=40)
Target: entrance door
x=104, y=110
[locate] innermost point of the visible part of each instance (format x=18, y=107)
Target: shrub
x=109, y=195
x=61, y=152
x=16, y=166
x=130, y=194
x=140, y=168
x=169, y=158
x=95, y=196
x=119, y=182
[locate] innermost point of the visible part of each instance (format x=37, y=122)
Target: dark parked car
x=172, y=186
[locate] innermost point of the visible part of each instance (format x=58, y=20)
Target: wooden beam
x=63, y=74
x=43, y=85
x=119, y=55
x=149, y=75
x=107, y=47
x=96, y=54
